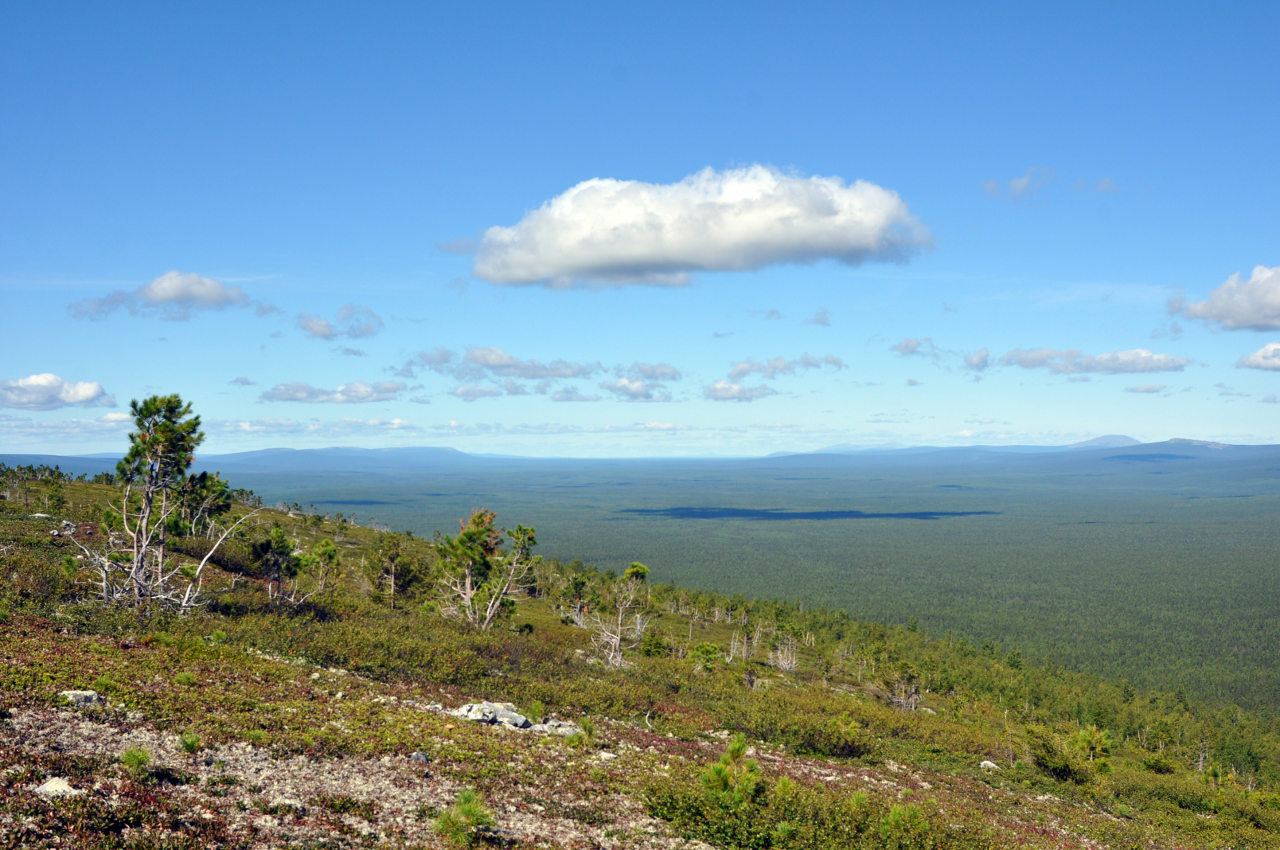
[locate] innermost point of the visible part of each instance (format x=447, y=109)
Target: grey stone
x=57, y=788
x=492, y=712
x=556, y=727
x=420, y=757
x=82, y=699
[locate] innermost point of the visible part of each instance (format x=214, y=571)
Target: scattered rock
x=562, y=728
x=420, y=757
x=57, y=788
x=492, y=712
x=82, y=699
x=988, y=765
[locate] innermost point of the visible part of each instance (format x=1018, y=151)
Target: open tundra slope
x=383, y=761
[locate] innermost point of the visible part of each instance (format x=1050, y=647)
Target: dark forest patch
x=778, y=514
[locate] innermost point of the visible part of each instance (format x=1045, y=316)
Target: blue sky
x=640, y=229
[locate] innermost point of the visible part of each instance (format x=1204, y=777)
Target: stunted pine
x=133, y=567
x=477, y=578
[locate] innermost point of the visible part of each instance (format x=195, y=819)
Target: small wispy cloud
x=571, y=394
x=821, y=318
x=353, y=321
x=977, y=361
x=729, y=391
x=1019, y=188
x=775, y=366
x=356, y=392
x=173, y=296
x=631, y=389
x=1072, y=361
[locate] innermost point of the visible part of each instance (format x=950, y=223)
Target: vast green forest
x=1153, y=563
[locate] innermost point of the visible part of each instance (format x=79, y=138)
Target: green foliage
x=190, y=742
x=585, y=737
x=163, y=446
x=136, y=760
x=904, y=828
x=735, y=779
x=461, y=823
x=1059, y=759
x=705, y=655
x=1095, y=745
x=344, y=804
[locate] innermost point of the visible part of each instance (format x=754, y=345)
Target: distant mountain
x=1110, y=441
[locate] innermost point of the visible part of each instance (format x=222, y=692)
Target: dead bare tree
x=622, y=625
x=786, y=655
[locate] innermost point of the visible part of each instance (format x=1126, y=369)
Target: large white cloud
x=1267, y=357
x=1070, y=361
x=173, y=295
x=625, y=231
x=356, y=392
x=47, y=391
x=1252, y=304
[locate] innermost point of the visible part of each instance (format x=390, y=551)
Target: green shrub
x=461, y=823
x=136, y=760
x=190, y=742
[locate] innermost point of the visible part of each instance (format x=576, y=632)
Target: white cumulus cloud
x=47, y=391
x=356, y=392
x=625, y=231
x=1267, y=357
x=1252, y=304
x=174, y=295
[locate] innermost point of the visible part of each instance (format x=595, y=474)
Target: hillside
x=253, y=721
